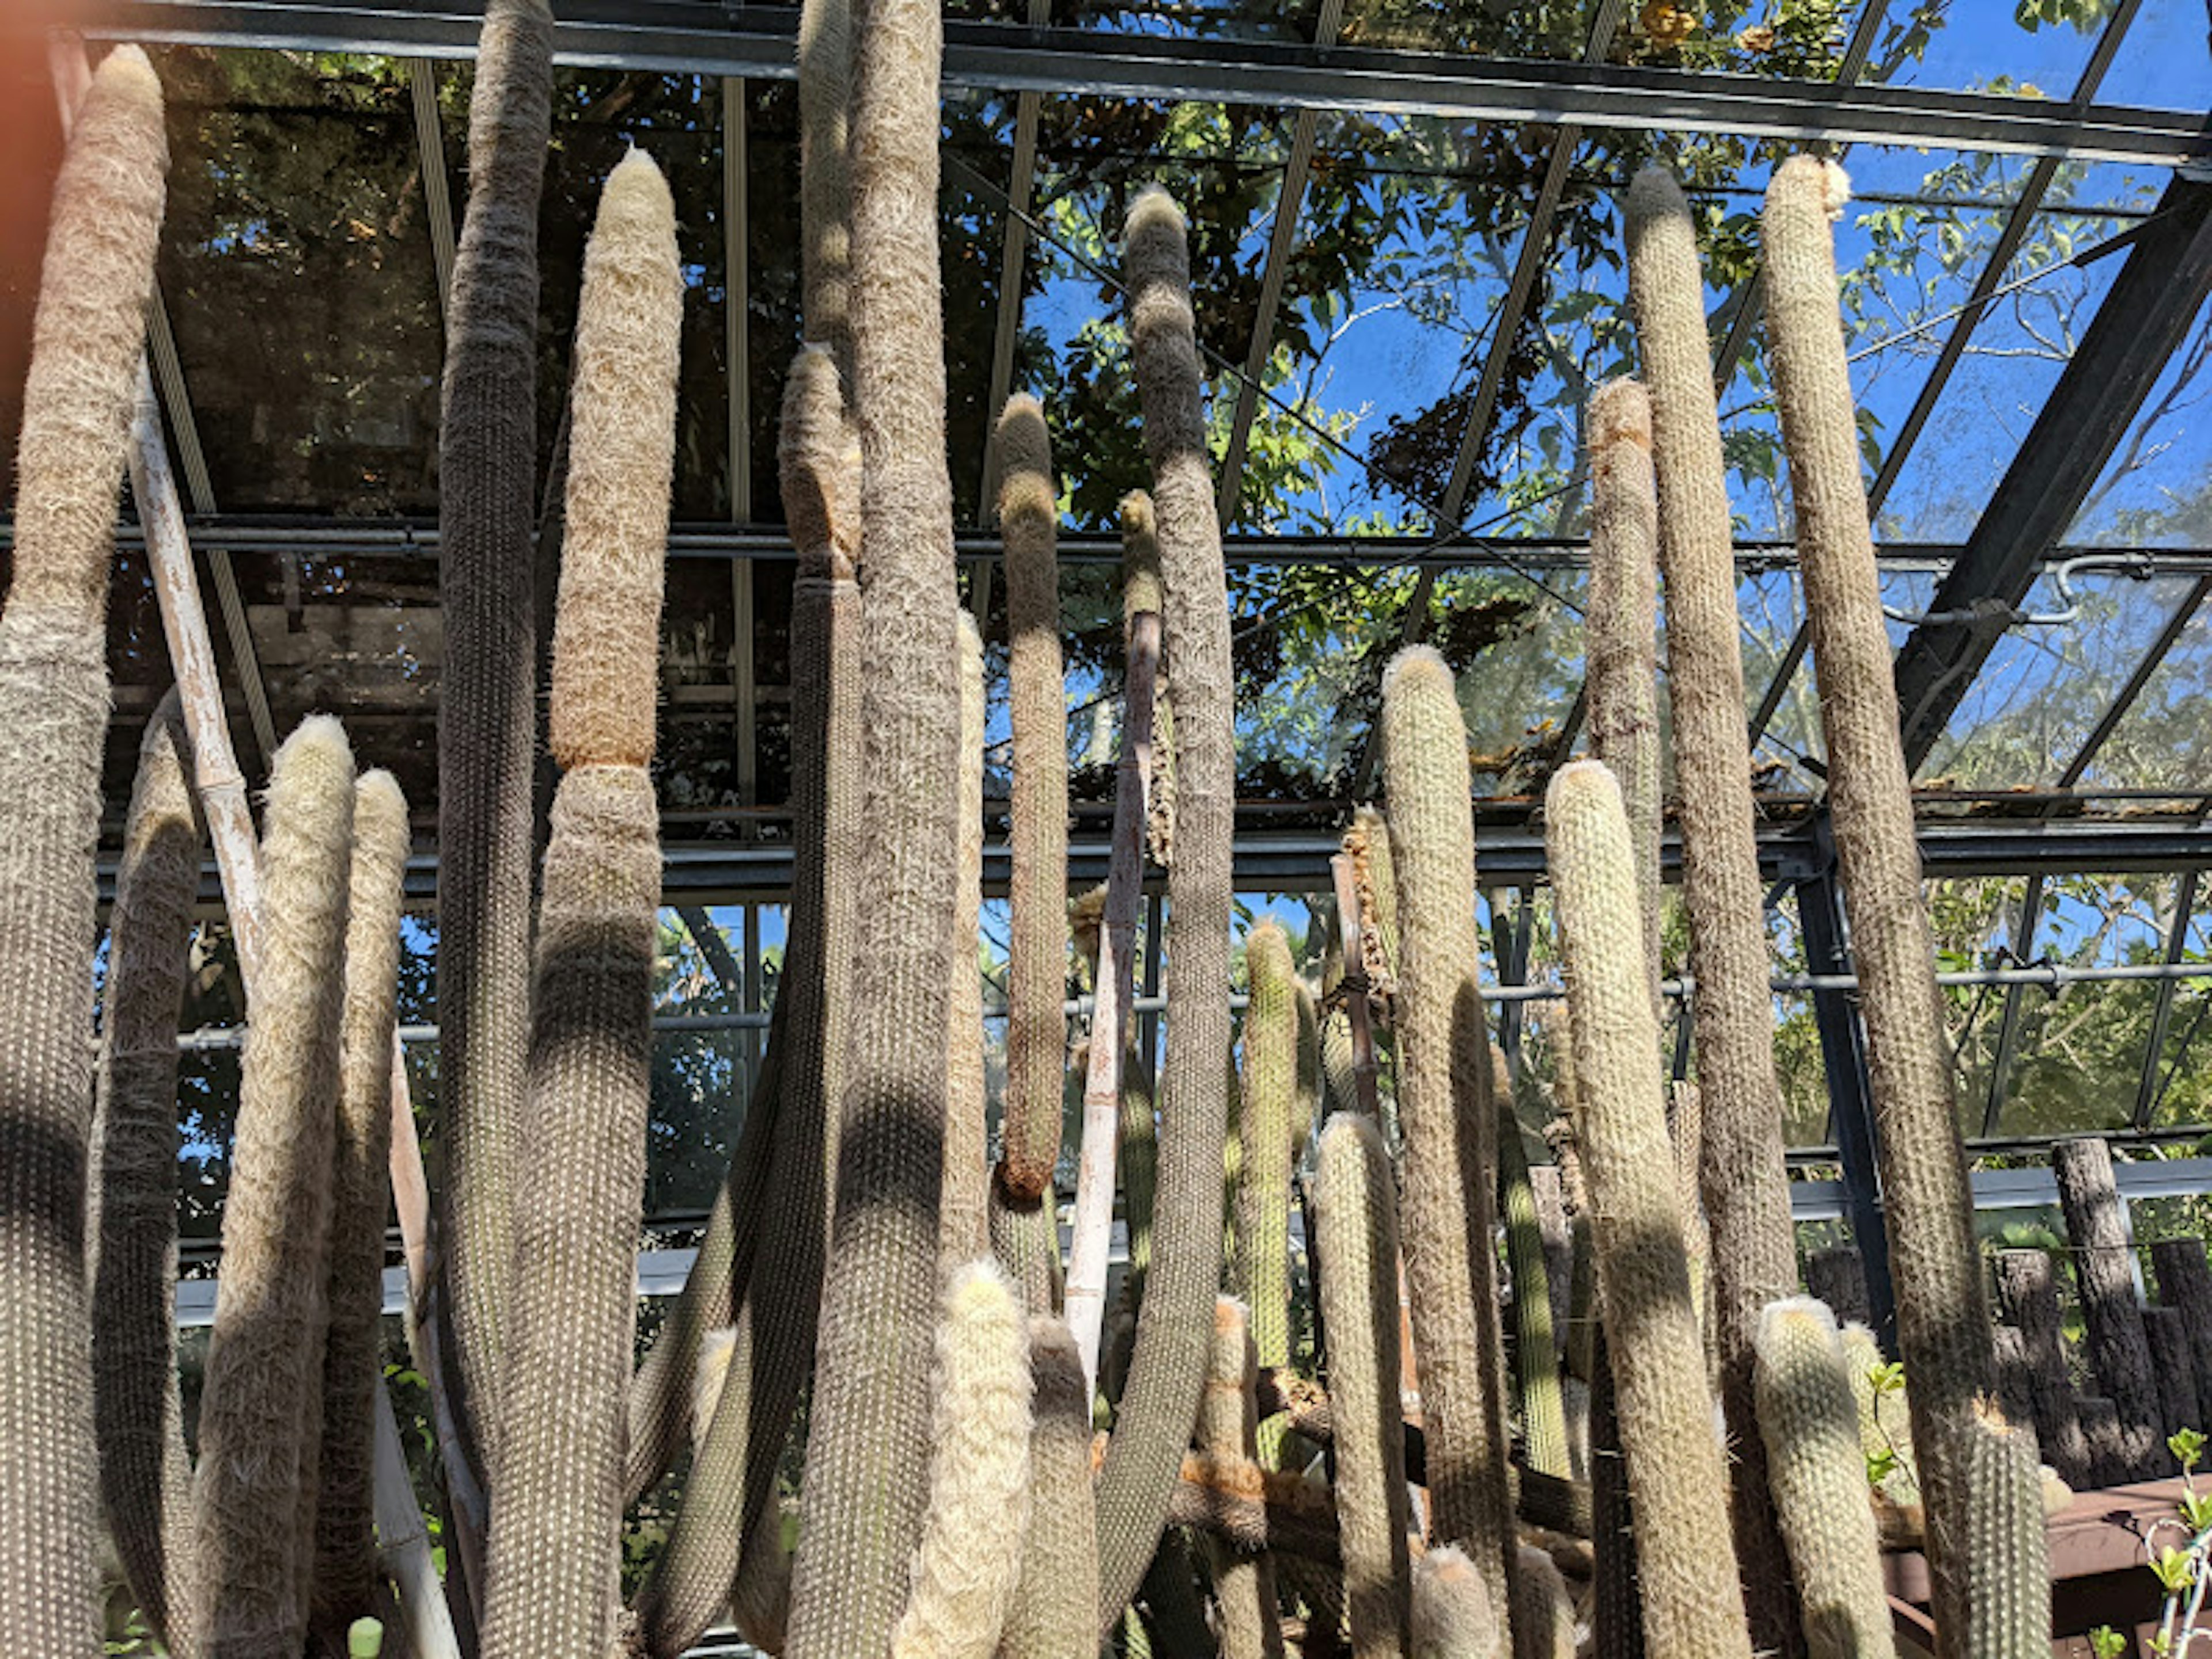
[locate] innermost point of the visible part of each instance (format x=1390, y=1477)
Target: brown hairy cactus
x=1686, y=1566
x=145, y=1473
x=1449, y=1176
x=963, y=1224
x=261, y=1409
x=487, y=705
x=86, y=340
x=555, y=1526
x=1942, y=1311
x=345, y=1567
x=864, y=1493
x=1243, y=1578
x=1159, y=1400
x=1055, y=1604
x=1743, y=1179
x=1453, y=1617
x=1037, y=954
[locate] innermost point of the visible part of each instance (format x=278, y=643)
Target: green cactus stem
x=1686, y=1566
x=1543, y=1612
x=1267, y=1133
x=1243, y=1580
x=1535, y=1354
x=1167, y=1369
x=488, y=709
x=1942, y=1312
x=86, y=341
x=1055, y=1604
x=2007, y=1548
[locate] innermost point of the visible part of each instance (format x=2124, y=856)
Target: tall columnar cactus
x=862, y=1507
x=1267, y=1132
x=1055, y=1604
x=87, y=336
x=345, y=1571
x=1745, y=1184
x=1159, y=1402
x=1453, y=1617
x=1535, y=1354
x=1449, y=1177
x=145, y=1475
x=1622, y=648
x=2006, y=1549
x=488, y=703
x=1884, y=1420
x=556, y=1524
x=1368, y=841
x=1819, y=1473
x=1037, y=954
x=1943, y=1313
x=825, y=178
x=1243, y=1580
x=261, y=1412
x=969, y=1558
x=1356, y=1220
x=1543, y=1611
x=1688, y=1571
x=963, y=1228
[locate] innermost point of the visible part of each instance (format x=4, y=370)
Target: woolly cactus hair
x=1037, y=968
x=353, y=1369
x=818, y=461
x=262, y=1407
x=2007, y=1546
x=970, y=1559
x=1942, y=1317
x=1243, y=1575
x=1688, y=1566
x=620, y=459
x=1817, y=1473
x=1140, y=592
x=145, y=1473
x=825, y=202
x=1543, y=1611
x=1368, y=841
x=1055, y=1605
x=1140, y=554
x=964, y=1227
x=1453, y=1617
x=1449, y=1177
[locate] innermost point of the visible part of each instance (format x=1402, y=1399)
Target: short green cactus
x=2007, y=1546
x=1243, y=1580
x=1267, y=1132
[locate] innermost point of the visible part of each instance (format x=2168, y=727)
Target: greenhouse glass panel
x=2025, y=51
x=2181, y=1083
x=2165, y=740
x=2156, y=491
x=2165, y=62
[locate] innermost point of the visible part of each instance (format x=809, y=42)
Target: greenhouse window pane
x=2181, y=1087
x=2156, y=491
x=2165, y=61
x=1308, y=642
x=1976, y=922
x=295, y=201
x=1516, y=642
x=1987, y=47
x=972, y=196
x=2165, y=740
x=1236, y=20
x=2046, y=686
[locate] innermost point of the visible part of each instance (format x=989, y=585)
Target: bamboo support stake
x=1109, y=1016
x=220, y=787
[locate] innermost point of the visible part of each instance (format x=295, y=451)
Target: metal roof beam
x=746, y=42
x=2151, y=304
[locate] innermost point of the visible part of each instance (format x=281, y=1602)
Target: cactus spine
x=1453, y=1617
x=1037, y=957
x=1691, y=1605
x=1744, y=1182
x=1267, y=1131
x=262, y=1409
x=53, y=688
x=1450, y=1122
x=862, y=1506
x=1055, y=1604
x=964, y=1227
x=969, y=1558
x=1356, y=1218
x=1535, y=1354
x=1813, y=1459
x=1942, y=1314
x=2007, y=1545
x=1243, y=1580
x=555, y=1529
x=345, y=1569
x=1159, y=1401
x=145, y=1475
x=488, y=721
x=1543, y=1612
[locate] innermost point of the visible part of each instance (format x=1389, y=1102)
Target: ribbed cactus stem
x=1813, y=1461
x=86, y=341
x=1037, y=954
x=145, y=1473
x=2006, y=1551
x=825, y=187
x=1356, y=1218
x=1267, y=1135
x=1168, y=1365
x=261, y=1411
x=964, y=1228
x=556, y=1524
x=1885, y=1419
x=1535, y=1354
x=1243, y=1580
x=969, y=1558
x=1055, y=1604
x=1745, y=1183
x=488, y=706
x=1449, y=1176
x=1543, y=1611
x=345, y=1569
x=1453, y=1617
x=864, y=1493
x=1686, y=1567
x=1943, y=1313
